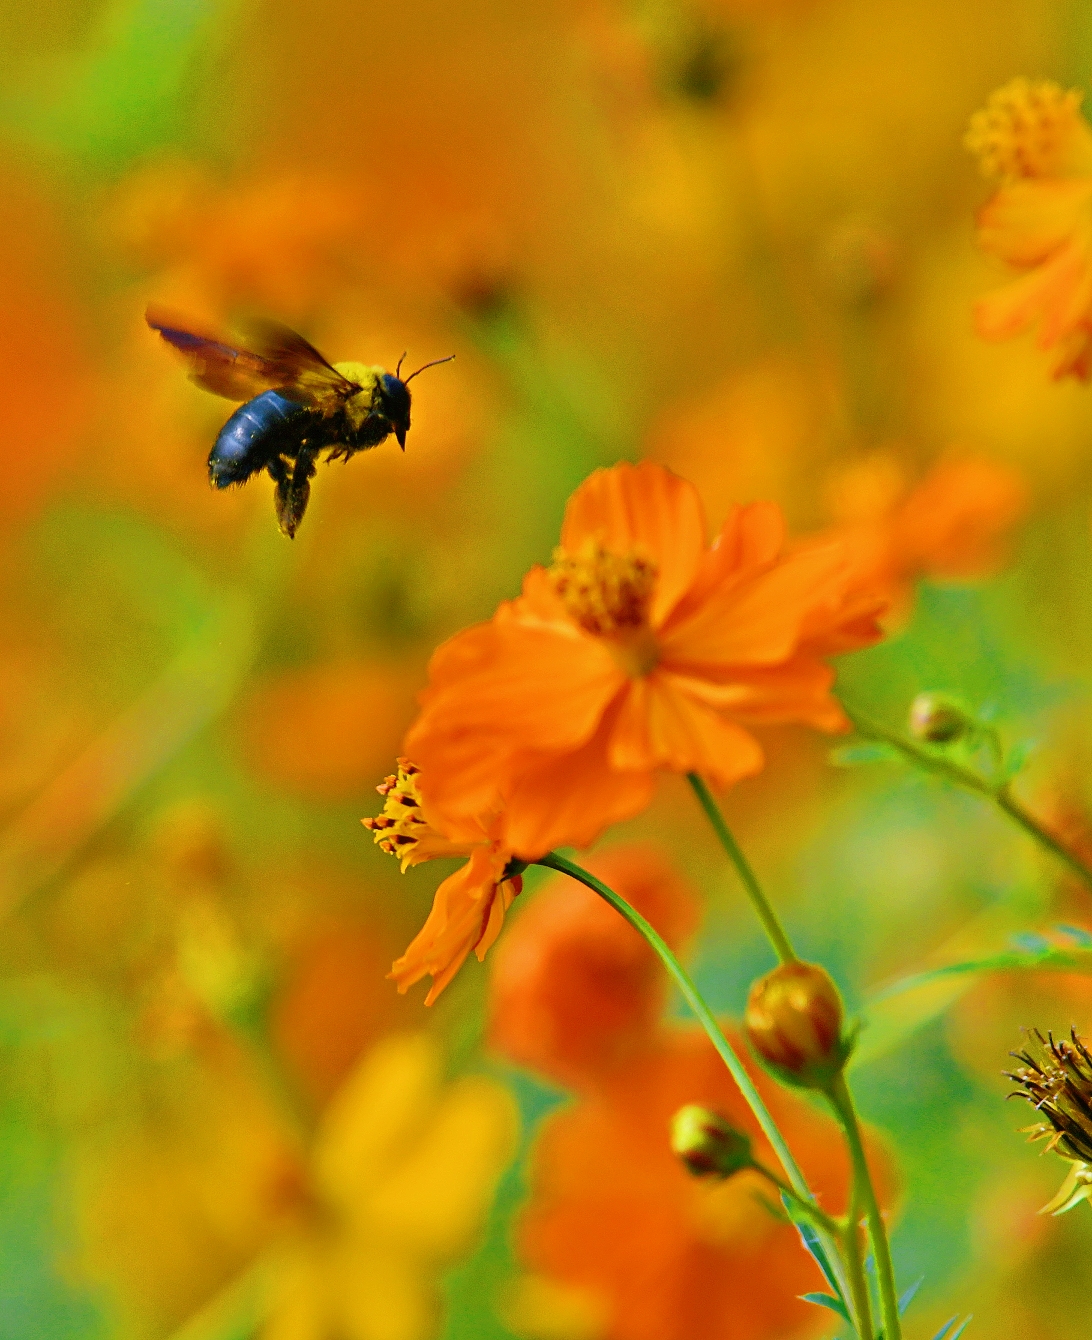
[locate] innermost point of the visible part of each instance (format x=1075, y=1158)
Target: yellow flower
x=402, y=1172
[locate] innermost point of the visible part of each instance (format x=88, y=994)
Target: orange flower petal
x=642, y=505
x=756, y=621
x=796, y=691
x=511, y=688
x=661, y=724
x=467, y=913
x=751, y=538
x=1047, y=289
x=569, y=800
x=1027, y=221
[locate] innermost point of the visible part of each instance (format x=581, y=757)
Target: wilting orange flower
x=639, y=648
x=950, y=526
x=469, y=906
x=1033, y=137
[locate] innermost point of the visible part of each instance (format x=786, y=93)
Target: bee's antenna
x=398, y=369
x=433, y=364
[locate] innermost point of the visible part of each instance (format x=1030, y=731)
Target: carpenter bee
x=297, y=406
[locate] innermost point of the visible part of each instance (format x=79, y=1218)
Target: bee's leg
x=294, y=490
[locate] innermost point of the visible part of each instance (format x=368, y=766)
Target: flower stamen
x=605, y=593
x=1025, y=130
x=402, y=829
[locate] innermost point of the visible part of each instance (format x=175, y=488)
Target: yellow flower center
x=604, y=593
x=402, y=830
x=1029, y=130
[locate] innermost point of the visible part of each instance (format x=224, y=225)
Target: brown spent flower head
x=794, y=1023
x=1056, y=1078
x=708, y=1145
x=937, y=719
x=1027, y=130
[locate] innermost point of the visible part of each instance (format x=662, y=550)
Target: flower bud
x=794, y=1024
x=938, y=720
x=707, y=1144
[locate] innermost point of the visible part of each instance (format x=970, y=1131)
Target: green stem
x=865, y=1193
x=806, y=1207
x=771, y=924
x=999, y=793
x=690, y=993
x=855, y=1270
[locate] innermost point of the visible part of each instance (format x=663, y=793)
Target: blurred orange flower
x=576, y=991
x=621, y=1243
x=273, y=242
x=1033, y=137
x=469, y=906
x=639, y=648
x=949, y=526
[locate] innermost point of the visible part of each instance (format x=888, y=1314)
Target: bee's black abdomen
x=254, y=435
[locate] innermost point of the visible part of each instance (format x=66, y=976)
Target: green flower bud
x=707, y=1144
x=794, y=1024
x=937, y=719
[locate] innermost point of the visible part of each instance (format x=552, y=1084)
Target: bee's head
x=394, y=397
x=394, y=405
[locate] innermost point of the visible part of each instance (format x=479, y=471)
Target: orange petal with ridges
x=751, y=538
x=661, y=725
x=543, y=687
x=569, y=801
x=796, y=691
x=642, y=505
x=757, y=621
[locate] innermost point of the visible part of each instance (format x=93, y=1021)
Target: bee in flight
x=297, y=406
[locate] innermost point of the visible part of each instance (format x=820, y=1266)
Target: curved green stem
x=690, y=993
x=771, y=923
x=864, y=1193
x=999, y=792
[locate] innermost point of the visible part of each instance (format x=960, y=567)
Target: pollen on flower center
x=1026, y=130
x=401, y=826
x=607, y=594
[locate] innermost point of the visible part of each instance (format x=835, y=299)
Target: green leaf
x=908, y=1296
x=1017, y=758
x=1077, y=934
x=871, y=751
x=899, y=1010
x=946, y=1333
x=813, y=1244
x=825, y=1300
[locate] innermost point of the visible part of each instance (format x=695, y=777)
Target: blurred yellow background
x=734, y=236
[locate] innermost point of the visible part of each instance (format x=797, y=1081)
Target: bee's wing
x=311, y=379
x=283, y=362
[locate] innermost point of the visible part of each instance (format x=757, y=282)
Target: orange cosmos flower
x=469, y=906
x=949, y=526
x=638, y=649
x=1033, y=137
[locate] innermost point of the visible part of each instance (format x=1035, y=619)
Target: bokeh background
x=733, y=236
